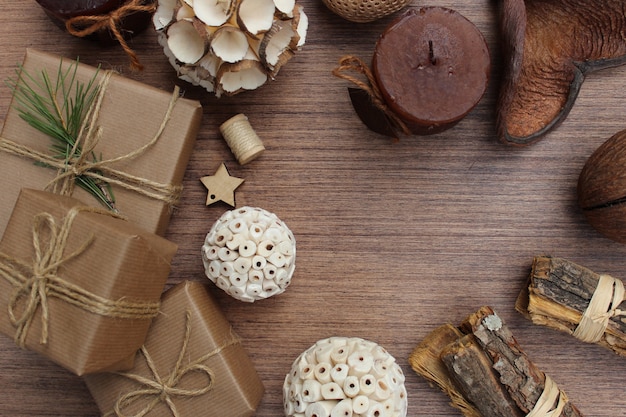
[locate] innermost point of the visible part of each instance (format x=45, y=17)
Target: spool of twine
x=241, y=138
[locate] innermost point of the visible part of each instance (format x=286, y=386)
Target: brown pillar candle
x=432, y=67
x=60, y=11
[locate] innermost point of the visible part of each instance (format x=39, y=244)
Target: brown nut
x=602, y=188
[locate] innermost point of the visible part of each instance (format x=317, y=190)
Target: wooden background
x=393, y=239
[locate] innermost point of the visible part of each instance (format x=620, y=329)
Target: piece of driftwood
x=559, y=294
x=485, y=373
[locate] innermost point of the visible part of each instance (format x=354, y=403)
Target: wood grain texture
x=393, y=239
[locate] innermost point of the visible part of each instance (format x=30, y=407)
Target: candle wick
x=431, y=53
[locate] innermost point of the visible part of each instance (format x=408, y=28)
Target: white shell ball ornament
x=345, y=377
x=250, y=254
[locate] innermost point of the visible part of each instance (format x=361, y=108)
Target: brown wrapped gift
x=78, y=285
x=130, y=116
x=192, y=364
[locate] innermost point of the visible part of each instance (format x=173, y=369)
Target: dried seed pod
x=342, y=376
x=255, y=16
x=242, y=254
x=185, y=42
x=549, y=48
x=363, y=11
x=213, y=13
x=229, y=46
x=247, y=74
x=602, y=188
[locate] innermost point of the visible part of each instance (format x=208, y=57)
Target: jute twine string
x=164, y=389
x=544, y=407
x=82, y=26
x=35, y=282
x=355, y=64
x=242, y=139
x=604, y=303
x=77, y=163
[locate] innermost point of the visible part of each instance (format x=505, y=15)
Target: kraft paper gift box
x=130, y=116
x=78, y=285
x=192, y=364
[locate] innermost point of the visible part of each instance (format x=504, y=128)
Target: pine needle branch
x=58, y=109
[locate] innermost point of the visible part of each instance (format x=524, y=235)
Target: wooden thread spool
x=242, y=139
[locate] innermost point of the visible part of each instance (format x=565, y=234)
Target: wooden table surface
x=393, y=239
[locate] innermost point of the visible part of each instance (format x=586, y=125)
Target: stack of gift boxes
x=83, y=286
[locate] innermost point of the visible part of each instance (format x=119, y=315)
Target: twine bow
x=604, y=303
x=355, y=64
x=77, y=164
x=163, y=390
x=82, y=26
x=35, y=282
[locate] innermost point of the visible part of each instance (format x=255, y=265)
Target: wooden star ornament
x=221, y=186
x=549, y=48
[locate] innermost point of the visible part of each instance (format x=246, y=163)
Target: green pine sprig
x=58, y=109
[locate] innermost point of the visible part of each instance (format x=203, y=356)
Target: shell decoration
x=341, y=377
x=229, y=46
x=250, y=254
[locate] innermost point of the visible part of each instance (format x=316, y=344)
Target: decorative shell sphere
x=341, y=377
x=363, y=11
x=228, y=46
x=250, y=254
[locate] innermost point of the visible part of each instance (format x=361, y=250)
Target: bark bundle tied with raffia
x=568, y=297
x=484, y=371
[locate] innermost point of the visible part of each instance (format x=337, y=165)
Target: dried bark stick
x=559, y=293
x=471, y=370
x=523, y=380
x=426, y=361
x=481, y=361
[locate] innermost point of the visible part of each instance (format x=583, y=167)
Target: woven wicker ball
x=362, y=11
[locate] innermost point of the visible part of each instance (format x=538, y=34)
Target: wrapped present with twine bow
x=132, y=140
x=78, y=284
x=192, y=364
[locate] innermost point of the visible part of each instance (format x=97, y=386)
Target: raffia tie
x=34, y=283
x=82, y=26
x=354, y=64
x=157, y=390
x=604, y=303
x=544, y=407
x=77, y=163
